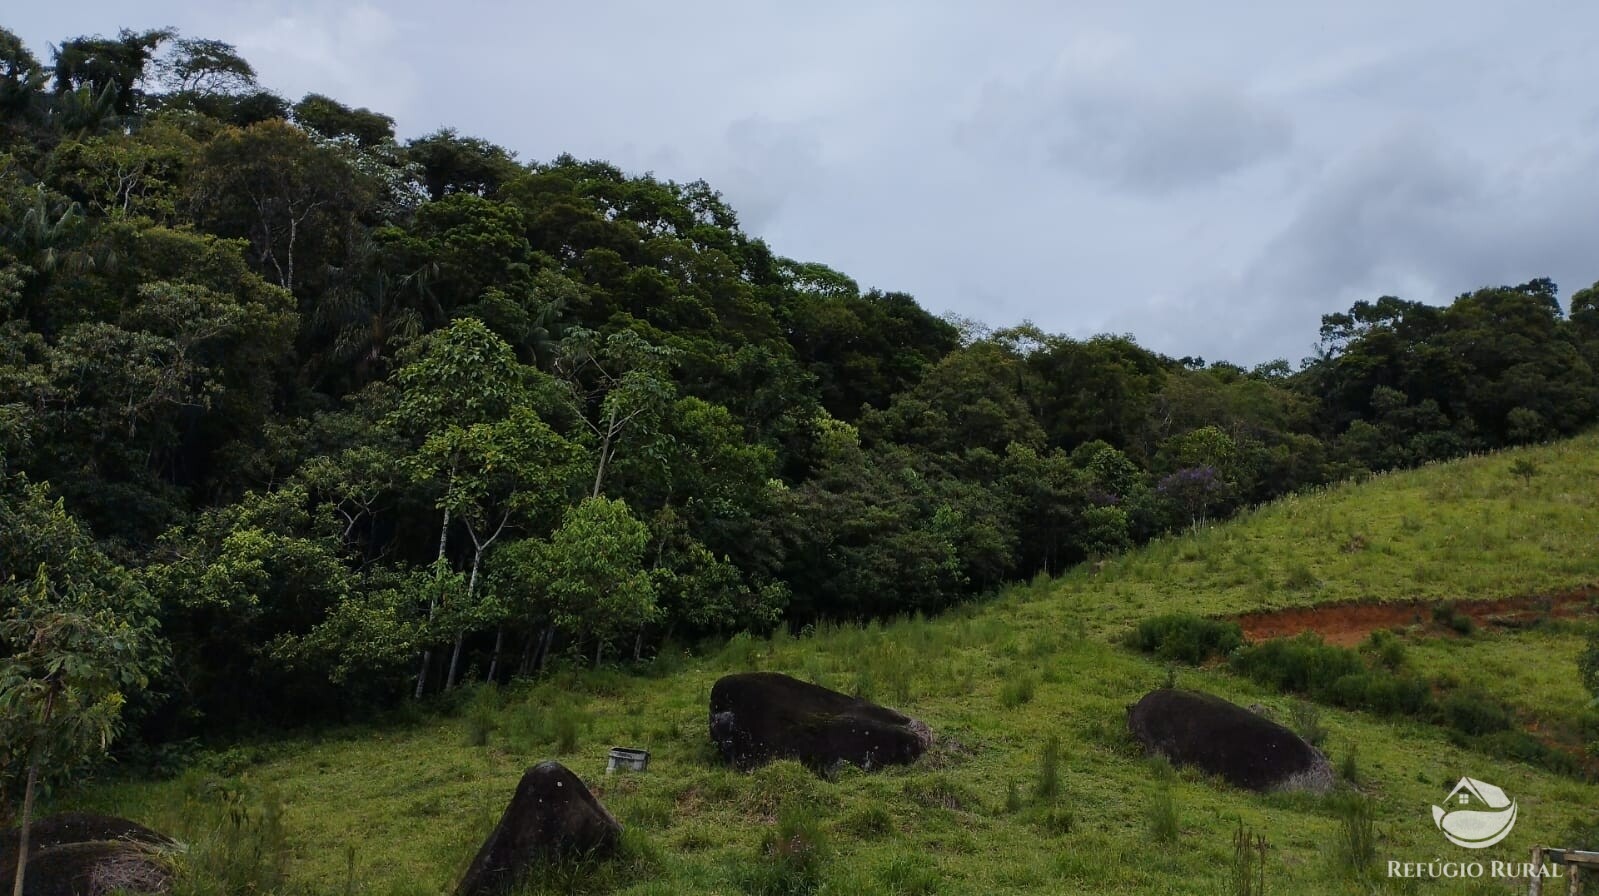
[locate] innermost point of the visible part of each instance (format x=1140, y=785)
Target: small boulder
x=757, y=717
x=552, y=816
x=1224, y=739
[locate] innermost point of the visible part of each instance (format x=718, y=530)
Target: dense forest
x=304, y=420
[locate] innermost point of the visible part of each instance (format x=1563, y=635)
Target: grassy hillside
x=401, y=808
x=1471, y=529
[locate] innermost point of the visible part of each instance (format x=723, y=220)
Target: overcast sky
x=1208, y=177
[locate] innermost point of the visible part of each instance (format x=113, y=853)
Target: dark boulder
x=1224, y=739
x=552, y=816
x=96, y=868
x=757, y=717
x=88, y=855
x=76, y=827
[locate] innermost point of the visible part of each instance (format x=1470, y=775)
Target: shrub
x=1186, y=638
x=1384, y=647
x=1334, y=675
x=1381, y=692
x=1523, y=747
x=1470, y=711
x=1302, y=664
x=1447, y=614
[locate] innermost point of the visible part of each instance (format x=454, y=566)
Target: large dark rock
x=552, y=816
x=757, y=717
x=1223, y=739
x=76, y=854
x=76, y=827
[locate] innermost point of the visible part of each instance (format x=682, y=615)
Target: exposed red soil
x=1348, y=624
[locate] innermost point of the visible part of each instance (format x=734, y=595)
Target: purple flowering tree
x=1194, y=491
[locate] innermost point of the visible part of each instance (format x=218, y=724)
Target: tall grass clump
x=1162, y=816
x=907, y=875
x=1048, y=789
x=482, y=715
x=790, y=858
x=592, y=874
x=1018, y=690
x=1355, y=853
x=1305, y=718
x=241, y=846
x=1247, y=874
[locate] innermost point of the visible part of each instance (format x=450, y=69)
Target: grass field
x=400, y=808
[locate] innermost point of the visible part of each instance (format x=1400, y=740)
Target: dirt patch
x=1347, y=624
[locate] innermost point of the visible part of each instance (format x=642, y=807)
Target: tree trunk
x=422, y=674
x=27, y=819
x=544, y=648
x=605, y=453
x=525, y=664
x=28, y=792
x=494, y=658
x=433, y=606
x=455, y=661
x=638, y=644
x=599, y=650
x=471, y=588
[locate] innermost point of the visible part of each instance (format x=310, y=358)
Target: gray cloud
x=1159, y=141
x=1209, y=177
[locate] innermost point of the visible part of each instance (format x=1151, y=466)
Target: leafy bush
x=1336, y=675
x=1186, y=638
x=1385, y=647
x=1473, y=712
x=1301, y=665
x=1523, y=747
x=1380, y=691
x=1447, y=614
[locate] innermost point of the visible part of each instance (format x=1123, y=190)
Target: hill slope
x=400, y=809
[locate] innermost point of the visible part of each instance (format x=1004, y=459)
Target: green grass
x=1470, y=529
x=401, y=809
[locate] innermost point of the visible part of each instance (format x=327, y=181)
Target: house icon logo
x=1476, y=815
